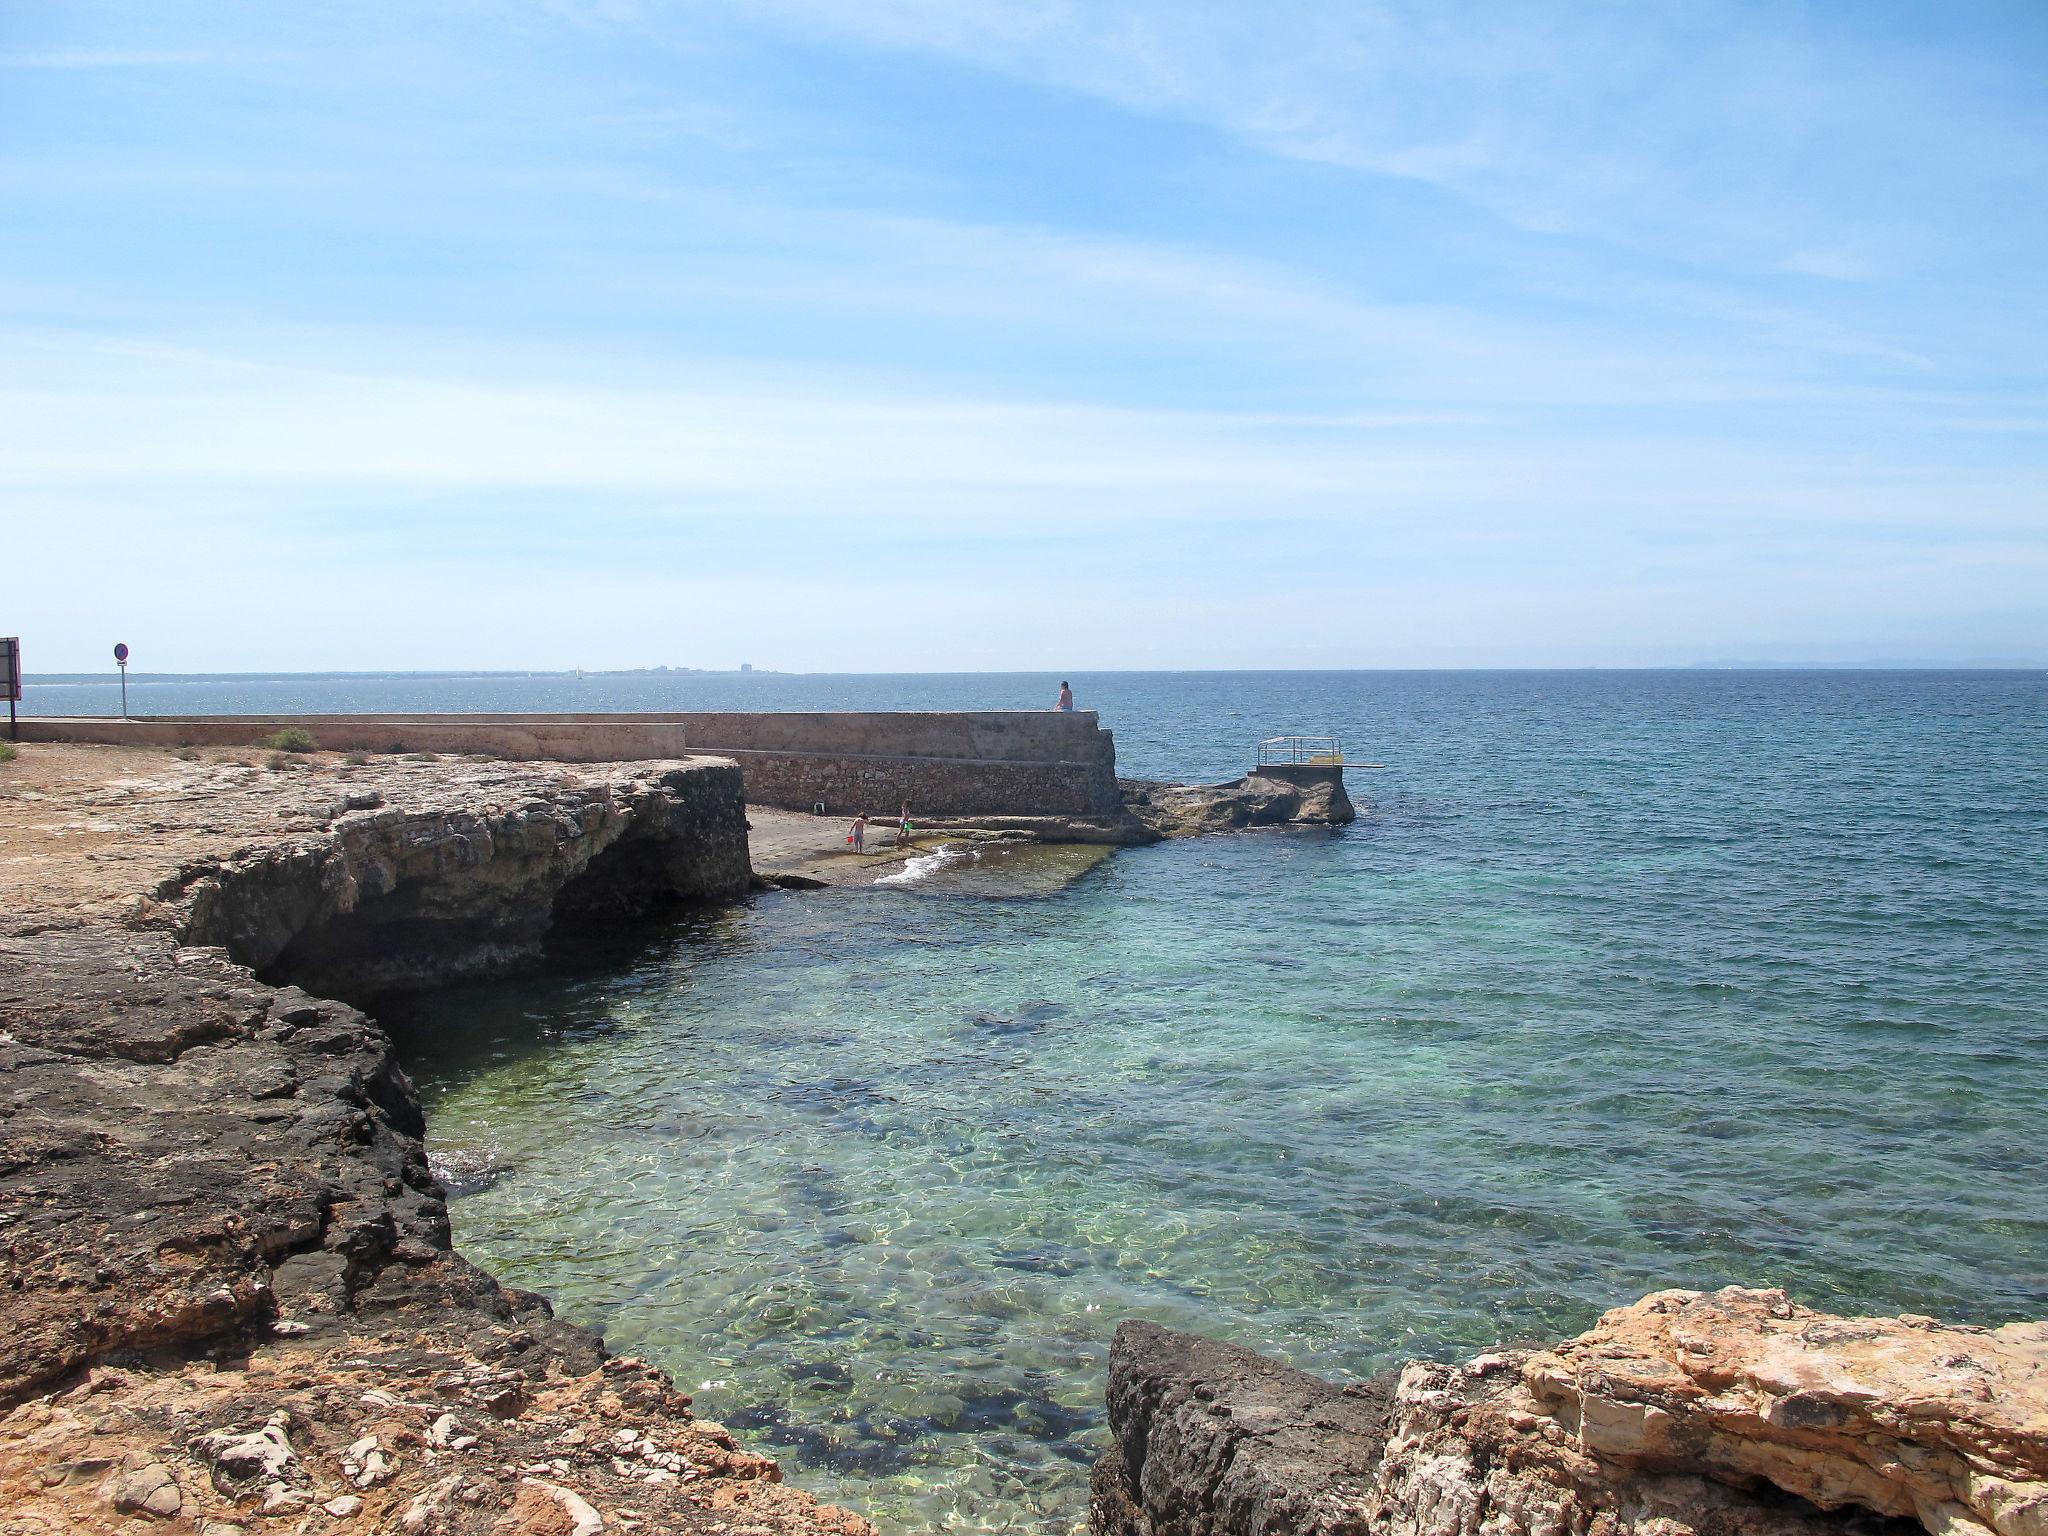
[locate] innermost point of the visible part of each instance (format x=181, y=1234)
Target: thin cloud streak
x=139, y=58
x=162, y=418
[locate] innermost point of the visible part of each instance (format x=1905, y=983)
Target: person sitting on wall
x=1066, y=698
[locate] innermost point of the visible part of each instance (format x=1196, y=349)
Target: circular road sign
x=120, y=653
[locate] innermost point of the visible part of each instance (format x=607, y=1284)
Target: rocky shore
x=232, y=1303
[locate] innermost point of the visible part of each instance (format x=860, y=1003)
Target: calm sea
x=1623, y=980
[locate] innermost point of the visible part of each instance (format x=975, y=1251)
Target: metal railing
x=1313, y=751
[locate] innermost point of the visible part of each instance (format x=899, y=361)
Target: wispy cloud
x=1690, y=132
x=135, y=58
x=107, y=414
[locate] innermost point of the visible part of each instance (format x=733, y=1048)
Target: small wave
x=922, y=866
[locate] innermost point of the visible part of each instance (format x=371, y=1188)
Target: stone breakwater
x=231, y=1299
x=1732, y=1413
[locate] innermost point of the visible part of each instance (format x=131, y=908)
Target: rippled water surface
x=1623, y=981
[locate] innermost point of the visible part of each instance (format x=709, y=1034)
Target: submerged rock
x=1735, y=1413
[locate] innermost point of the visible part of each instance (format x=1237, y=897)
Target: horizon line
x=113, y=679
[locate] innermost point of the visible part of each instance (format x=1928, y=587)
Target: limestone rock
x=410, y=895
x=151, y=1489
x=260, y=1455
x=1469, y=1451
x=1735, y=1413
x=584, y=1521
x=1901, y=1416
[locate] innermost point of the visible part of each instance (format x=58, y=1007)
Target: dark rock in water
x=782, y=881
x=1212, y=1438
x=1268, y=797
x=1041, y=1259
x=1027, y=1020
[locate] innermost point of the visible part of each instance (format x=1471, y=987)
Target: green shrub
x=7, y=752
x=292, y=738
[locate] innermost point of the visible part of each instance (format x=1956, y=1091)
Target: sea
x=1621, y=981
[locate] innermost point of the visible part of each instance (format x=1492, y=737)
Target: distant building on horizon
x=746, y=666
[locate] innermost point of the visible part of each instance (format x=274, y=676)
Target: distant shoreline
x=112, y=679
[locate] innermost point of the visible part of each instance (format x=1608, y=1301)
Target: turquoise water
x=1623, y=981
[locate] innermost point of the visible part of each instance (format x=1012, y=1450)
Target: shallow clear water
x=1624, y=981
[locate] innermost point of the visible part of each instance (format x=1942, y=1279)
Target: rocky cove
x=233, y=1301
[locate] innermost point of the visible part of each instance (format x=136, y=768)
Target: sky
x=848, y=335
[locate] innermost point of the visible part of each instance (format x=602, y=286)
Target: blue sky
x=934, y=334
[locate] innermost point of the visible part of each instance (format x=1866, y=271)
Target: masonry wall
x=995, y=762
x=931, y=786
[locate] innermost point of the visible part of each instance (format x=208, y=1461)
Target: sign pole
x=10, y=657
x=121, y=655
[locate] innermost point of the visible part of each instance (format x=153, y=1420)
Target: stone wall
x=931, y=786
x=992, y=735
x=965, y=763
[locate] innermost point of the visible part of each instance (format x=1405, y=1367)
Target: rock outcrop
x=1212, y=1439
x=1899, y=1416
x=1735, y=1413
x=384, y=896
x=1264, y=798
x=230, y=1298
